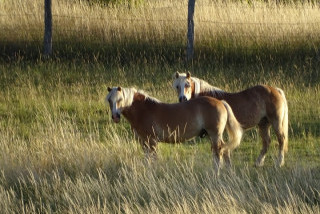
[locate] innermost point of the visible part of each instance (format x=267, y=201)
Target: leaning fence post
x=47, y=51
x=190, y=34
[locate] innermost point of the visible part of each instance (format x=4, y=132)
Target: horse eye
x=187, y=86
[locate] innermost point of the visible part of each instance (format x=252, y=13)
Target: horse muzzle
x=116, y=118
x=182, y=99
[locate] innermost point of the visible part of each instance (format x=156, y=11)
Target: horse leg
x=149, y=148
x=216, y=148
x=226, y=158
x=264, y=130
x=281, y=139
x=152, y=149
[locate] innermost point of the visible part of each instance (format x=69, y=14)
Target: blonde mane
x=202, y=86
x=205, y=87
x=148, y=97
x=128, y=94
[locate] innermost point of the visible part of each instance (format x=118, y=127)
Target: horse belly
x=176, y=135
x=190, y=125
x=248, y=113
x=178, y=124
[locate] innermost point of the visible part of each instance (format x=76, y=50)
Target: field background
x=60, y=151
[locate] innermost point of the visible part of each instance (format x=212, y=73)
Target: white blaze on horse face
x=115, y=100
x=187, y=89
x=183, y=86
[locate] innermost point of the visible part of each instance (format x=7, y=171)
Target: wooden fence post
x=47, y=51
x=190, y=35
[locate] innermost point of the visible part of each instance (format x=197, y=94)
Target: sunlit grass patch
x=155, y=31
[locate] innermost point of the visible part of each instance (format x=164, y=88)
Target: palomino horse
x=154, y=121
x=260, y=105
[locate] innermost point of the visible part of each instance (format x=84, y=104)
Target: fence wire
x=37, y=32
x=169, y=20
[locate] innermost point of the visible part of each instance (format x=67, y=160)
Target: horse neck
x=208, y=90
x=131, y=112
x=140, y=104
x=218, y=94
x=128, y=94
x=128, y=113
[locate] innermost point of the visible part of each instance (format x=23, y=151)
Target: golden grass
x=218, y=25
x=60, y=152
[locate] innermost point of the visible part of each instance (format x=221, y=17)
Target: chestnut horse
x=260, y=105
x=153, y=121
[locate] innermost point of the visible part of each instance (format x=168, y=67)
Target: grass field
x=61, y=153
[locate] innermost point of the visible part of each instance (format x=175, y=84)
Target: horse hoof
x=280, y=164
x=259, y=164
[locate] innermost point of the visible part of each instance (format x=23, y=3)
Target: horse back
x=250, y=106
x=187, y=111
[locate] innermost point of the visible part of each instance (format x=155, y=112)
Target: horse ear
x=138, y=96
x=119, y=88
x=109, y=89
x=188, y=75
x=177, y=74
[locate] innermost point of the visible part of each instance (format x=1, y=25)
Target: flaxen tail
x=234, y=129
x=284, y=121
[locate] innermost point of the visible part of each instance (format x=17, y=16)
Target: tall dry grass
x=62, y=169
x=222, y=28
x=60, y=152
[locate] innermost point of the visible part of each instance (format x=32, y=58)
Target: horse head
x=184, y=85
x=115, y=98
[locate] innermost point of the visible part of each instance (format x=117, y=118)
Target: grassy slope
x=61, y=153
